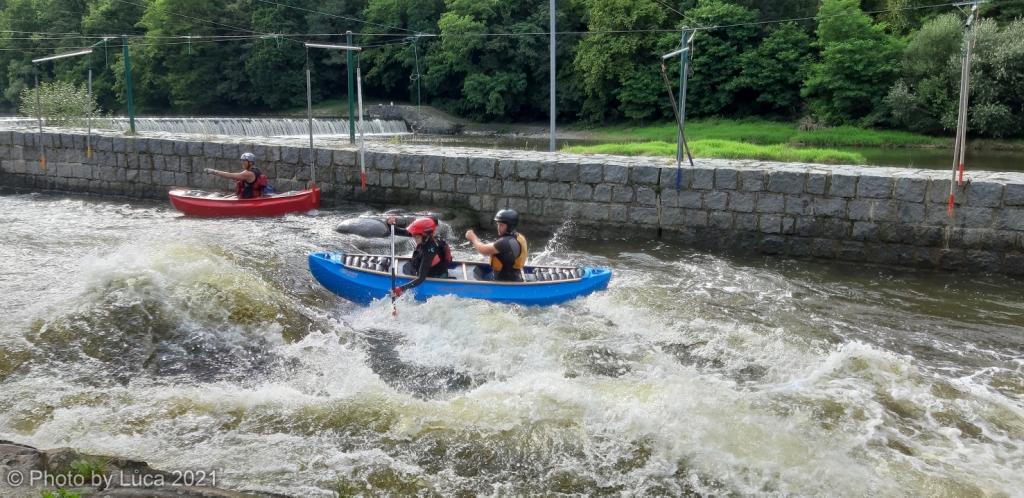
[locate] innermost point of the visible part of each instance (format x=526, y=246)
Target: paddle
x=394, y=307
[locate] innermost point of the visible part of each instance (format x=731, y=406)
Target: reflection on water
x=191, y=343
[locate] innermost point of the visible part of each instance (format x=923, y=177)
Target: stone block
x=603, y=193
x=787, y=182
x=817, y=182
x=974, y=217
x=465, y=185
x=800, y=205
x=1013, y=264
x=717, y=201
x=773, y=244
x=726, y=179
x=669, y=177
x=696, y=218
x=770, y=223
x=688, y=199
x=344, y=158
x=770, y=202
x=842, y=185
x=862, y=210
x=984, y=194
x=741, y=202
x=622, y=194
x=875, y=186
x=644, y=175
x=824, y=248
x=865, y=230
x=788, y=225
x=910, y=189
x=527, y=170
x=643, y=215
x=455, y=165
x=593, y=211
x=537, y=189
x=614, y=173
x=618, y=213
x=1011, y=219
x=645, y=196
x=417, y=181
x=483, y=166
x=745, y=221
x=591, y=173
x=938, y=192
x=703, y=179
x=720, y=219
x=559, y=190
x=673, y=217
x=433, y=164
x=506, y=168
x=1014, y=195
x=514, y=188
x=409, y=163
x=752, y=180
x=911, y=213
x=447, y=183
x=830, y=206
x=582, y=192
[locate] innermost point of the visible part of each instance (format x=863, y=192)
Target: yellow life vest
x=520, y=261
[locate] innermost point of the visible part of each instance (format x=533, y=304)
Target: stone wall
x=879, y=215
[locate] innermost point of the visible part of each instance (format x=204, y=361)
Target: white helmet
x=249, y=156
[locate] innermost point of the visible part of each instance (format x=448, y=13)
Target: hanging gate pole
x=309, y=117
x=351, y=104
x=680, y=110
x=39, y=117
x=88, y=118
x=362, y=136
x=960, y=140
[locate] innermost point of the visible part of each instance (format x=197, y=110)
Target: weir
x=888, y=216
x=246, y=127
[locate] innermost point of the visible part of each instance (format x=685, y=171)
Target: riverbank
x=754, y=139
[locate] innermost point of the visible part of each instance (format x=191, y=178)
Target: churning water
x=131, y=330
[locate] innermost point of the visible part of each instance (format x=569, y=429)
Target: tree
x=858, y=64
x=773, y=72
x=924, y=96
x=618, y=71
x=63, y=104
x=717, y=63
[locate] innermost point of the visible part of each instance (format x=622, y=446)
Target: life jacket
x=439, y=262
x=509, y=266
x=251, y=190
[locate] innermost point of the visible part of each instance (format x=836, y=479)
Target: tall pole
x=88, y=117
x=351, y=83
x=551, y=70
x=309, y=116
x=684, y=77
x=128, y=84
x=362, y=136
x=960, y=141
x=39, y=117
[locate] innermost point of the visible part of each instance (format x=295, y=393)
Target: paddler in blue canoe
x=508, y=253
x=431, y=256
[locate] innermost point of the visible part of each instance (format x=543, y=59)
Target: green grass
x=726, y=149
x=768, y=132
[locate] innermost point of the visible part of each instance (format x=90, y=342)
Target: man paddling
x=508, y=253
x=250, y=182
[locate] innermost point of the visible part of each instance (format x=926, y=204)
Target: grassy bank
x=769, y=132
x=753, y=139
x=725, y=149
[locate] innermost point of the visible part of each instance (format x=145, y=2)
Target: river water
x=131, y=330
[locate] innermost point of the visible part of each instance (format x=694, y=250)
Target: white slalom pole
x=362, y=137
x=309, y=114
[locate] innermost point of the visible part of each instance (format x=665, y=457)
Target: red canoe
x=214, y=204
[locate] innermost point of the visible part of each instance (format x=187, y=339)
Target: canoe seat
x=367, y=262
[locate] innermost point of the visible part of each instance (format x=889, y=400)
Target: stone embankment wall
x=879, y=215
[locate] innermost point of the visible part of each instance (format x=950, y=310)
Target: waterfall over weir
x=254, y=127
x=247, y=127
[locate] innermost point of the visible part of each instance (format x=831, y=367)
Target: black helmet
x=509, y=217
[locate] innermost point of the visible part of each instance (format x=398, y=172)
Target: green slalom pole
x=351, y=83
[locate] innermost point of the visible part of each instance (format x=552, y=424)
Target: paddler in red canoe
x=250, y=183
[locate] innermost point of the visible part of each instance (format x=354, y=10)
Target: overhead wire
x=337, y=16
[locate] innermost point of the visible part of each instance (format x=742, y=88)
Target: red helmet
x=421, y=226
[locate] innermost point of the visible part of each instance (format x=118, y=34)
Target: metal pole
x=309, y=115
x=961, y=123
x=128, y=85
x=551, y=70
x=416, y=57
x=966, y=98
x=88, y=119
x=362, y=136
x=39, y=116
x=351, y=103
x=684, y=77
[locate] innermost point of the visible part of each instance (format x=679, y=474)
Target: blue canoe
x=361, y=278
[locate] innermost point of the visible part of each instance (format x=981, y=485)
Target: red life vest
x=254, y=189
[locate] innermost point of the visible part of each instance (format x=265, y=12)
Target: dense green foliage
x=727, y=149
x=868, y=62
x=60, y=103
